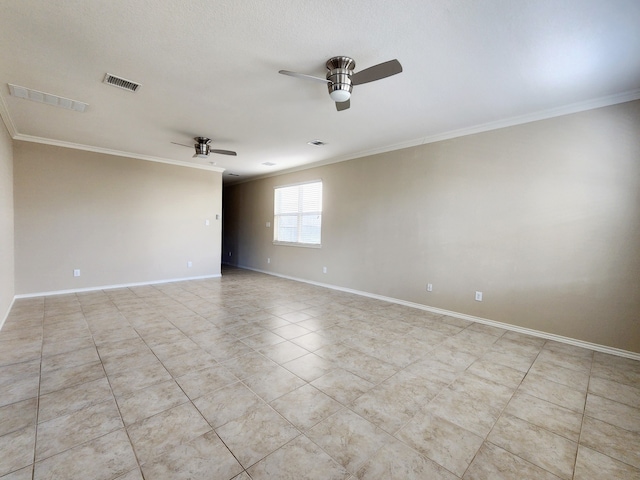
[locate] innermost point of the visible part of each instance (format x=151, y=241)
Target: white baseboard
x=506, y=326
x=111, y=287
x=6, y=315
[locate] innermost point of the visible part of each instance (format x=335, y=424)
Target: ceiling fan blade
x=303, y=76
x=224, y=152
x=377, y=72
x=182, y=145
x=343, y=105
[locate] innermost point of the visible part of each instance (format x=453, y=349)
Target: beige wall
x=118, y=220
x=543, y=218
x=7, y=289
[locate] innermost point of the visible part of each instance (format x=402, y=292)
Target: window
x=298, y=214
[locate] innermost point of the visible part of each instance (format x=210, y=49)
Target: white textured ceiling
x=210, y=68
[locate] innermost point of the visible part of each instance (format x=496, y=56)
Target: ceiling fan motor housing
x=339, y=76
x=202, y=147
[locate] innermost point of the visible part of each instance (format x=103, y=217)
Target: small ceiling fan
x=341, y=79
x=203, y=148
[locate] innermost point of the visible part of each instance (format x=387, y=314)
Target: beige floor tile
x=68, y=377
x=547, y=415
x=157, y=434
x=348, y=438
x=507, y=376
x=25, y=473
x=250, y=364
x=134, y=474
x=553, y=392
x=129, y=381
x=592, y=464
x=227, y=403
x=618, y=392
x=165, y=351
x=578, y=380
x=256, y=434
x=228, y=349
x=541, y=447
x=305, y=406
x=273, y=383
x=620, y=369
x=62, y=433
x=283, y=352
x=494, y=463
x=447, y=444
x=290, y=331
x=396, y=461
x=150, y=401
x=205, y=457
x=17, y=416
x=613, y=441
x=342, y=386
x=508, y=359
x=453, y=357
x=72, y=399
x=242, y=476
x=129, y=361
x=206, y=381
x=70, y=359
x=57, y=346
x=105, y=458
x=19, y=381
x=615, y=413
x=298, y=459
x=16, y=449
x=197, y=359
x=309, y=367
x=263, y=339
x=465, y=411
x=579, y=363
x=392, y=404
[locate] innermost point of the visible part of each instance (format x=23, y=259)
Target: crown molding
x=485, y=127
x=108, y=151
x=6, y=118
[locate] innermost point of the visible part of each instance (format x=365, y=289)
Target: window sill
x=293, y=244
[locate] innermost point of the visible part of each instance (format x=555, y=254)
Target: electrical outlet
x=206, y=223
x=478, y=296
x=429, y=287
x=229, y=253
x=268, y=224
x=324, y=269
x=189, y=264
x=268, y=260
x=76, y=273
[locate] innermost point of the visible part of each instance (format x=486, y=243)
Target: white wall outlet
x=429, y=287
x=189, y=264
x=478, y=296
x=268, y=224
x=324, y=269
x=217, y=216
x=229, y=253
x=76, y=272
x=206, y=223
x=268, y=260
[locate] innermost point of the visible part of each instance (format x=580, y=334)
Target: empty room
x=319, y=240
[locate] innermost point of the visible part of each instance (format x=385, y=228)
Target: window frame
x=300, y=214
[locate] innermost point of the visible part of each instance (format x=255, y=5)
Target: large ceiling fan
x=203, y=148
x=341, y=79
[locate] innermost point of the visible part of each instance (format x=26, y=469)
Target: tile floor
x=256, y=377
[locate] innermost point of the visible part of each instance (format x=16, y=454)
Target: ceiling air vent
x=316, y=143
x=121, y=82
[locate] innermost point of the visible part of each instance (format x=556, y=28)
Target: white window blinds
x=298, y=214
